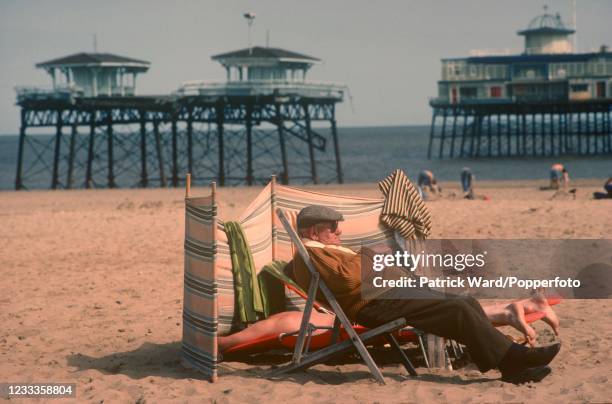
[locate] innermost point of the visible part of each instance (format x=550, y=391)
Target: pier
x=520, y=129
x=547, y=101
x=258, y=122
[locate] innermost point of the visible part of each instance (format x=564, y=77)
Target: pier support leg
x=517, y=134
x=589, y=132
x=220, y=119
x=90, y=150
x=524, y=134
x=249, y=145
x=591, y=148
x=109, y=133
x=543, y=134
x=280, y=125
x=566, y=134
x=552, y=134
x=608, y=131
x=144, y=178
x=499, y=136
x=604, y=133
x=463, y=133
x=533, y=135
x=73, y=135
x=473, y=135
x=454, y=133
x=597, y=132
x=443, y=134
x=160, y=154
x=564, y=149
x=56, y=153
x=579, y=133
x=508, y=135
x=561, y=134
x=174, y=153
x=490, y=137
x=432, y=132
x=190, y=144
x=334, y=131
x=479, y=134
x=22, y=135
x=313, y=163
x=563, y=129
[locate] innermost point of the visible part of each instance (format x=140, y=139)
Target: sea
x=369, y=154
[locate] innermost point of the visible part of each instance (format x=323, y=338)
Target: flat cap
x=314, y=214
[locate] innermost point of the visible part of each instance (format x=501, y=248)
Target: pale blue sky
x=387, y=52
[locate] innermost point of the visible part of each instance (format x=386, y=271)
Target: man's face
x=326, y=233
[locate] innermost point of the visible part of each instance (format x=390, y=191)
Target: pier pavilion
x=257, y=122
x=546, y=101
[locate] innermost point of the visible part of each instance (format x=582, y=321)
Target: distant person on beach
x=607, y=194
x=467, y=183
x=558, y=176
x=460, y=318
x=427, y=181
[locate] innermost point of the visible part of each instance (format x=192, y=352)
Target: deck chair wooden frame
x=302, y=359
x=336, y=331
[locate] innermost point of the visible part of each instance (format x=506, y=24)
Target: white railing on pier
x=471, y=100
x=491, y=52
x=65, y=93
x=263, y=87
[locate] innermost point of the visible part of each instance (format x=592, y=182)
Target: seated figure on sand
x=427, y=182
x=608, y=189
x=456, y=317
x=559, y=176
x=467, y=183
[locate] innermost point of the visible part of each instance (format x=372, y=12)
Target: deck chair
x=318, y=337
x=403, y=336
x=303, y=359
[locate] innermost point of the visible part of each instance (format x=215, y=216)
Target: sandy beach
x=92, y=288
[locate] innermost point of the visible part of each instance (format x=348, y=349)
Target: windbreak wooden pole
x=188, y=185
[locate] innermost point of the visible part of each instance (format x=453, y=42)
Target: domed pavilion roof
x=546, y=23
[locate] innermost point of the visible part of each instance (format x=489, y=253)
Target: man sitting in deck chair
x=458, y=318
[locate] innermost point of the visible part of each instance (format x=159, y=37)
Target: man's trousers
x=455, y=317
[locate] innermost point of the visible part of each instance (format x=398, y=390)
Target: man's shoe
x=540, y=356
x=519, y=357
x=526, y=375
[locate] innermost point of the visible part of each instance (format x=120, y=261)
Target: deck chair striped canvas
x=208, y=308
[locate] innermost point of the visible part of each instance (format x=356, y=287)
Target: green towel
x=250, y=298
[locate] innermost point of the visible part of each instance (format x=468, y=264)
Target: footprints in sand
x=133, y=293
x=151, y=205
x=603, y=379
x=130, y=205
